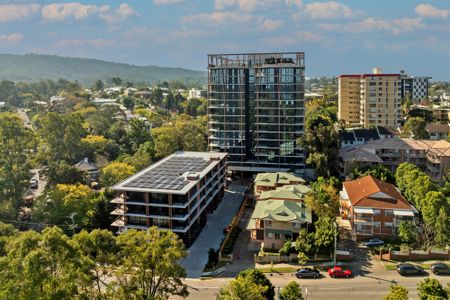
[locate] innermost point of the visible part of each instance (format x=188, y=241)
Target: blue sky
x=346, y=36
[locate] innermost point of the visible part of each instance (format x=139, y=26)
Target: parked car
x=339, y=272
x=440, y=268
x=33, y=183
x=409, y=269
x=374, y=243
x=307, y=273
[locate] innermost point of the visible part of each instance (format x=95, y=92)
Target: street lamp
x=335, y=241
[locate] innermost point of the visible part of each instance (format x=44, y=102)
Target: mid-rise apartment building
x=174, y=193
x=256, y=110
x=370, y=99
x=414, y=87
x=433, y=157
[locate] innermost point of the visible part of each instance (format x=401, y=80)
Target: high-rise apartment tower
x=256, y=110
x=370, y=99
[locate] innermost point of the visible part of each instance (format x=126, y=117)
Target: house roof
x=272, y=179
x=369, y=191
x=359, y=154
x=282, y=211
x=386, y=130
x=438, y=128
x=288, y=192
x=345, y=135
x=86, y=165
x=366, y=133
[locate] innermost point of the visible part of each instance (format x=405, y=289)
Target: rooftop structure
x=270, y=181
x=292, y=192
x=174, y=193
x=256, y=110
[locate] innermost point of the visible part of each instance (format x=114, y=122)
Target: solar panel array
x=169, y=174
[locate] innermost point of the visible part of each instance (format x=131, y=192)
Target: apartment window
x=376, y=212
x=376, y=225
x=277, y=236
x=388, y=212
x=268, y=223
x=269, y=235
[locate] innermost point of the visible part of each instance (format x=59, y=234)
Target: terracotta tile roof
x=368, y=191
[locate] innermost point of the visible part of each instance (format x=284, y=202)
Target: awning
x=363, y=210
x=408, y=213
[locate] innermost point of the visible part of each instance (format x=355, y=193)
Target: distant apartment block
x=433, y=157
x=375, y=208
x=441, y=115
x=196, y=93
x=360, y=136
x=174, y=193
x=370, y=99
x=414, y=87
x=256, y=110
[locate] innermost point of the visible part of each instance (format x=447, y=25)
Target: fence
x=416, y=255
x=341, y=255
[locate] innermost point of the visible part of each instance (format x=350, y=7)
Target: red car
x=339, y=272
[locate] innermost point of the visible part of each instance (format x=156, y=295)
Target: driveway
x=212, y=234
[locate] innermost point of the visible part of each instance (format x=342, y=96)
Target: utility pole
x=72, y=226
x=335, y=242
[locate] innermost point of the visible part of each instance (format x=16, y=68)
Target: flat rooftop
x=170, y=175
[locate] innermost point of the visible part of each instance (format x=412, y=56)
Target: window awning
x=363, y=210
x=407, y=213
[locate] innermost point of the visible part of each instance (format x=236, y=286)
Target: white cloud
x=295, y=38
x=330, y=10
x=251, y=5
x=94, y=43
x=123, y=12
x=76, y=10
x=79, y=11
x=11, y=12
x=165, y=2
x=232, y=18
x=395, y=26
x=429, y=11
x=11, y=38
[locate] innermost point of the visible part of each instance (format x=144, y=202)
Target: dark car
x=440, y=268
x=409, y=269
x=307, y=273
x=374, y=243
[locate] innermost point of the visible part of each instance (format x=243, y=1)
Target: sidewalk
x=212, y=234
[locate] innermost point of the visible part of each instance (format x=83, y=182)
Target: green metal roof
x=290, y=192
x=271, y=179
x=282, y=211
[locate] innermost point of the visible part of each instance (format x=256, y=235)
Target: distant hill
x=34, y=67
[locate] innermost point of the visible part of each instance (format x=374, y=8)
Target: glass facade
x=256, y=109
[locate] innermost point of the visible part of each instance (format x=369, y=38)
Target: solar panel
x=169, y=174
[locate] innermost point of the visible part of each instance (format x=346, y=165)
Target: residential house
x=279, y=215
x=375, y=208
x=90, y=168
x=438, y=131
x=270, y=181
x=360, y=136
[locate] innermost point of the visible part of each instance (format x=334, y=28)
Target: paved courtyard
x=212, y=234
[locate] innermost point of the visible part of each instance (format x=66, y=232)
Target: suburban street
x=367, y=287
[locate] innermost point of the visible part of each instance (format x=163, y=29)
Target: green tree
x=116, y=80
x=258, y=278
x=42, y=266
x=397, y=292
x=435, y=210
x=242, y=288
x=7, y=233
x=116, y=172
x=325, y=231
x=99, y=249
x=14, y=167
x=150, y=265
x=287, y=248
x=128, y=102
x=431, y=289
x=305, y=245
x=57, y=204
x=323, y=199
x=291, y=291
x=61, y=172
x=407, y=232
x=99, y=85
x=379, y=171
x=416, y=128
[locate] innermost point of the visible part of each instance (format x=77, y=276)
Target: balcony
x=120, y=211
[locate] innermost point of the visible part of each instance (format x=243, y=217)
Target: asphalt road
x=366, y=287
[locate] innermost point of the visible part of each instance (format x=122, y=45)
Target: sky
x=338, y=37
